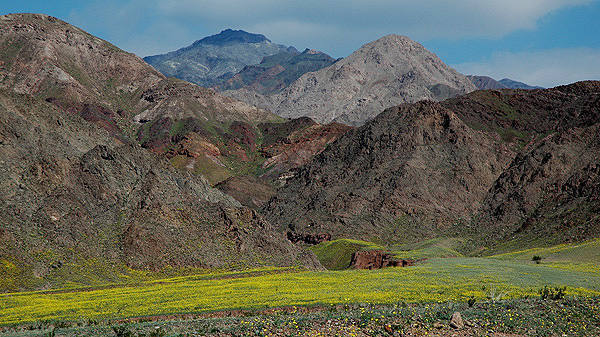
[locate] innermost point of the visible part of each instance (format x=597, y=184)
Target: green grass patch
x=336, y=255
x=586, y=252
x=438, y=247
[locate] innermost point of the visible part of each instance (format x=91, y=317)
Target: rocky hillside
x=412, y=171
x=208, y=60
x=383, y=73
x=276, y=72
x=494, y=165
x=78, y=195
x=550, y=192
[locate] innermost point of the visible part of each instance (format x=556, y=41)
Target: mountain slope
x=75, y=189
x=451, y=168
x=383, y=73
x=550, y=192
x=276, y=72
x=409, y=173
x=214, y=56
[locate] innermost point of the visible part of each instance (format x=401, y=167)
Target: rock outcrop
x=376, y=259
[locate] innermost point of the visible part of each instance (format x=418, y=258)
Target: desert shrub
x=122, y=331
x=554, y=293
x=471, y=301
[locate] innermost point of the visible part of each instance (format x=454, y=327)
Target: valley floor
x=498, y=293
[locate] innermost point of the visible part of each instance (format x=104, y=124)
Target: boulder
x=456, y=321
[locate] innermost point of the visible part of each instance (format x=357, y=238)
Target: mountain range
x=383, y=73
x=218, y=56
x=486, y=82
x=108, y=166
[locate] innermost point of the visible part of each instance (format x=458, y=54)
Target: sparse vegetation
x=552, y=293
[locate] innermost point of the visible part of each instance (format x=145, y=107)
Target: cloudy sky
x=540, y=42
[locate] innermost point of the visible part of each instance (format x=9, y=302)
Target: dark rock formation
x=412, y=171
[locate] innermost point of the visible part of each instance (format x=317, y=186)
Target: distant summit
x=208, y=60
x=230, y=36
x=512, y=84
x=486, y=82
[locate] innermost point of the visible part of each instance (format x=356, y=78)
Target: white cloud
x=546, y=68
x=334, y=26
x=420, y=19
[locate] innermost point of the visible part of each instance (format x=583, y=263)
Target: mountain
x=549, y=193
x=482, y=165
x=383, y=73
x=410, y=172
x=223, y=54
x=486, y=82
x=512, y=84
x=79, y=198
x=276, y=72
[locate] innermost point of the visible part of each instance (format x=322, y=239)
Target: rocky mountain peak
x=389, y=71
x=230, y=36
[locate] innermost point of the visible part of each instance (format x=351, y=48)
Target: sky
x=539, y=42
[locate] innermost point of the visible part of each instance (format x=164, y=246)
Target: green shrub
x=555, y=293
x=537, y=259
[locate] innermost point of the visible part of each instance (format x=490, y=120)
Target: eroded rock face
x=376, y=259
x=551, y=191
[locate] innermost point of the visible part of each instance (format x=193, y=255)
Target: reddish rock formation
x=376, y=259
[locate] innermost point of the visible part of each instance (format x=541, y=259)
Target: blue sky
x=541, y=42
